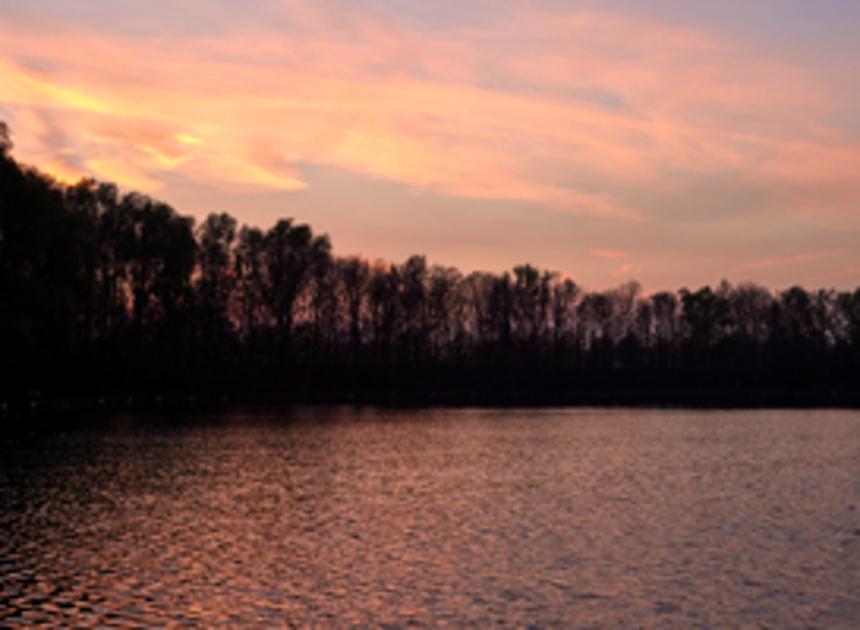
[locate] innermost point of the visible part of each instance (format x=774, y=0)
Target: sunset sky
x=675, y=142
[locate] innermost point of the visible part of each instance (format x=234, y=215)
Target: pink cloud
x=583, y=108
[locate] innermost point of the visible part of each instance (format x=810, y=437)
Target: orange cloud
x=123, y=171
x=581, y=114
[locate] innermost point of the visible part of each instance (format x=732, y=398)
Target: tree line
x=106, y=293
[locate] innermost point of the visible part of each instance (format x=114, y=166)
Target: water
x=342, y=517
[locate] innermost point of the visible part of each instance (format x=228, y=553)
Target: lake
x=339, y=516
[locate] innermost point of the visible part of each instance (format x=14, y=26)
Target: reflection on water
x=339, y=517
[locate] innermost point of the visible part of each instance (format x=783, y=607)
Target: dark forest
x=106, y=295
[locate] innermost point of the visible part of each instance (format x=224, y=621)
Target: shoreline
x=193, y=403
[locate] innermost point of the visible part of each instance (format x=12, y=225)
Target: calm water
x=341, y=517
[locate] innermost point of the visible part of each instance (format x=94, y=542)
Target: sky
x=675, y=142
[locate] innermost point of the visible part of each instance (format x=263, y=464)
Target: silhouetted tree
x=251, y=308
x=354, y=275
x=216, y=284
x=107, y=292
x=291, y=253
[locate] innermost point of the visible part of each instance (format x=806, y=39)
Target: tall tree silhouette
x=216, y=284
x=108, y=292
x=292, y=251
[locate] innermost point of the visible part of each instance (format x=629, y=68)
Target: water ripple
x=342, y=517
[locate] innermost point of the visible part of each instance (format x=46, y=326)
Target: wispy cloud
x=565, y=118
x=603, y=117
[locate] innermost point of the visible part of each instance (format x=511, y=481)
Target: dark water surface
x=341, y=517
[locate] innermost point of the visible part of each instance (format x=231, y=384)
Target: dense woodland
x=109, y=294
